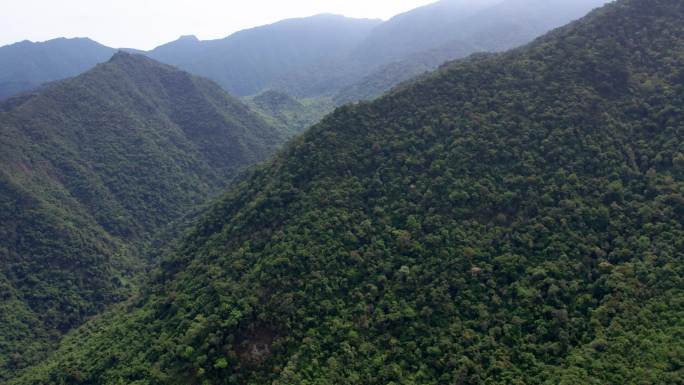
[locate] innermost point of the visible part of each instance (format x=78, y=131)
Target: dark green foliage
x=511, y=219
x=91, y=169
x=27, y=65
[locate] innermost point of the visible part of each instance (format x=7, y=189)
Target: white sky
x=144, y=24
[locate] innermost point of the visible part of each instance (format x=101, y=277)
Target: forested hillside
x=90, y=169
x=512, y=219
x=26, y=65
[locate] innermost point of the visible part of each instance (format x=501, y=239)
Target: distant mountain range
x=420, y=40
x=253, y=60
x=26, y=65
x=324, y=55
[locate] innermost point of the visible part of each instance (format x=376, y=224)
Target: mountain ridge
x=300, y=44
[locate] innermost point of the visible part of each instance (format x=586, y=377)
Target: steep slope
x=254, y=60
x=26, y=65
x=513, y=219
x=90, y=169
x=423, y=39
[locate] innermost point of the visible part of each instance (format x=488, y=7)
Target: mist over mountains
x=26, y=65
x=318, y=56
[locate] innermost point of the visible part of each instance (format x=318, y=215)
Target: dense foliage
x=26, y=65
x=90, y=169
x=512, y=219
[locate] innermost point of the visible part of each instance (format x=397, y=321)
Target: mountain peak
x=122, y=56
x=188, y=38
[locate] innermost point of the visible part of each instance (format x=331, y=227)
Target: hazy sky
x=145, y=24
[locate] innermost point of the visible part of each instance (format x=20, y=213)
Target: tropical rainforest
x=512, y=218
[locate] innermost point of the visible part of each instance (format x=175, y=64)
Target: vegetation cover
x=91, y=169
x=511, y=219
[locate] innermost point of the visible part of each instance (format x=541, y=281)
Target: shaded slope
x=511, y=219
x=26, y=65
x=91, y=168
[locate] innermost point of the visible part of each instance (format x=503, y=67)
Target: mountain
x=257, y=59
x=26, y=65
x=421, y=40
x=512, y=23
x=91, y=168
x=513, y=218
x=415, y=31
